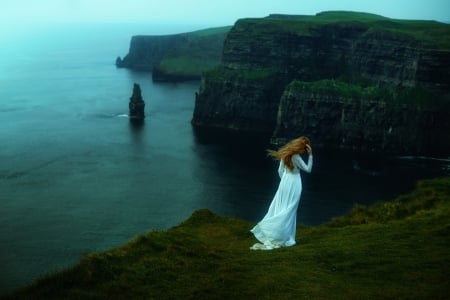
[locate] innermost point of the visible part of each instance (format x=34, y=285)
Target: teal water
x=75, y=177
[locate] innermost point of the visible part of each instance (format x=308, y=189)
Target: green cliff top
x=201, y=51
x=339, y=88
x=392, y=250
x=432, y=34
x=210, y=31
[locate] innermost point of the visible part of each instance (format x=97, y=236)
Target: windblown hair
x=285, y=153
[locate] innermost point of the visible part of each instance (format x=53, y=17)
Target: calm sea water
x=75, y=177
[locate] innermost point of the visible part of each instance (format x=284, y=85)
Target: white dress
x=278, y=227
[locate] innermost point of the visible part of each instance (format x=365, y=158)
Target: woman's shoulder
x=296, y=157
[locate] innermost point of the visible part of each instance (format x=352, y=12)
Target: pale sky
x=203, y=12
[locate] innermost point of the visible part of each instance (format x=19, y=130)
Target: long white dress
x=278, y=227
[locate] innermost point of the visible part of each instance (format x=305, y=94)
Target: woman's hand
x=309, y=149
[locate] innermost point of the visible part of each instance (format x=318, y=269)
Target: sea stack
x=137, y=106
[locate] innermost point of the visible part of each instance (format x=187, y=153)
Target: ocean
x=76, y=177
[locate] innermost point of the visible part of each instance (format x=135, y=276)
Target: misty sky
x=203, y=12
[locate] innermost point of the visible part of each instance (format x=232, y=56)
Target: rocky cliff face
x=251, y=90
x=136, y=106
x=336, y=114
x=146, y=51
x=238, y=101
x=176, y=57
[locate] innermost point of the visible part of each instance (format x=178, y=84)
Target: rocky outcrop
x=262, y=57
x=137, y=106
x=176, y=57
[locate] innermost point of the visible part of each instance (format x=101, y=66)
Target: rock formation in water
x=175, y=57
x=137, y=105
x=348, y=80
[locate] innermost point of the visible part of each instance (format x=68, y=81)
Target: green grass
x=431, y=34
x=200, y=51
x=187, y=65
x=392, y=250
x=423, y=200
x=338, y=88
x=256, y=73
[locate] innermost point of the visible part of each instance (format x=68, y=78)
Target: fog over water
x=202, y=12
x=75, y=177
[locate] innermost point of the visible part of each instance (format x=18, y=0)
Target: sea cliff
x=277, y=75
x=370, y=119
x=175, y=57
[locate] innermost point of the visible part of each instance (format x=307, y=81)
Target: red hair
x=285, y=153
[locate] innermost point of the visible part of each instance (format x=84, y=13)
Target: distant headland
x=176, y=57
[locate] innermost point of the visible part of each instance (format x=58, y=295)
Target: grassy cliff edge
x=391, y=250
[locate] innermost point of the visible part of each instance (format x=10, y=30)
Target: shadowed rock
x=137, y=106
x=349, y=80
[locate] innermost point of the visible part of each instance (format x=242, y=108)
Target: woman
x=277, y=228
